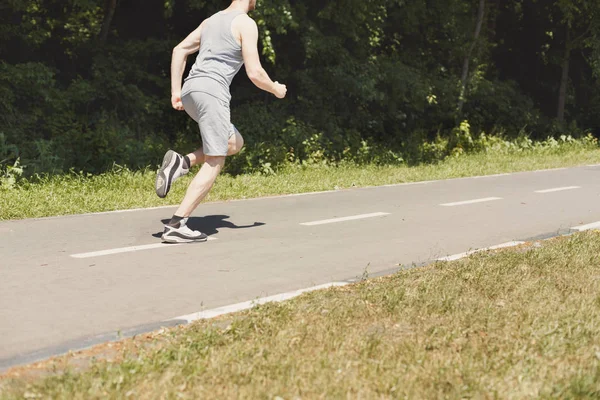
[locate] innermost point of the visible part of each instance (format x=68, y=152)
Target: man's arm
x=189, y=45
x=254, y=69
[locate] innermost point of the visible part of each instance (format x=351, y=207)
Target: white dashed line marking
x=129, y=249
x=560, y=189
x=475, y=201
x=352, y=218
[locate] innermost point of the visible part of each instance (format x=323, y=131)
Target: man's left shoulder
x=245, y=19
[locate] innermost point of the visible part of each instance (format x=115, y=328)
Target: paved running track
x=70, y=282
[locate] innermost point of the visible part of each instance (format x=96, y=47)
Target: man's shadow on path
x=210, y=224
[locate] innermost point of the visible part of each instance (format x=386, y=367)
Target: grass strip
x=77, y=194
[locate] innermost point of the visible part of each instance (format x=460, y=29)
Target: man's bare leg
x=201, y=185
x=175, y=165
x=176, y=230
x=235, y=144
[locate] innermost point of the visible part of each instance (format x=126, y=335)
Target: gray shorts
x=213, y=118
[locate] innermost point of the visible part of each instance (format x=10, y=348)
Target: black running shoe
x=172, y=168
x=182, y=234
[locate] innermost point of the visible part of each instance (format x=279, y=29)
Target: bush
x=500, y=108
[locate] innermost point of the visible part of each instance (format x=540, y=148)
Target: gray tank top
x=219, y=58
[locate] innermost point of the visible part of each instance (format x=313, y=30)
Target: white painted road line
x=463, y=203
x=588, y=227
x=559, y=189
x=129, y=249
x=352, y=218
x=468, y=253
x=250, y=304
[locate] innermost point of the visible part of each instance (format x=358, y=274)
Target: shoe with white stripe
x=182, y=234
x=171, y=169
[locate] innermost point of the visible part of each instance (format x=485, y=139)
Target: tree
x=465, y=70
x=362, y=74
x=109, y=11
x=576, y=19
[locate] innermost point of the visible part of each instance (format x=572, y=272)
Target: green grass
x=75, y=194
x=520, y=323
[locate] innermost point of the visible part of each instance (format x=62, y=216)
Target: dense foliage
x=84, y=84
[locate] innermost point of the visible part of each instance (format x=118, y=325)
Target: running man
x=225, y=42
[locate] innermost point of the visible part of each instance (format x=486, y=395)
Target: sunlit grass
x=75, y=193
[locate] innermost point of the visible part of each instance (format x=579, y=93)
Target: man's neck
x=238, y=6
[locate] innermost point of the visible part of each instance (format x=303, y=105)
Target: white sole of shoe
x=174, y=239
